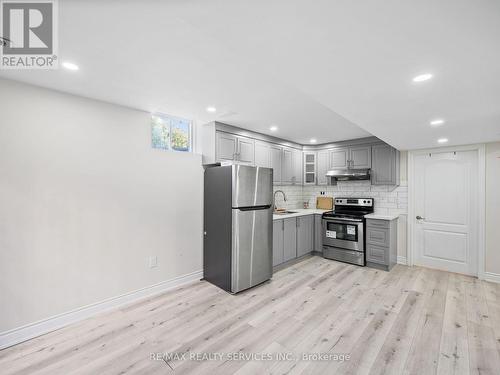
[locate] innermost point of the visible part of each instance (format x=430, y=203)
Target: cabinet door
x=262, y=154
x=339, y=158
x=298, y=165
x=310, y=168
x=377, y=254
x=323, y=167
x=289, y=239
x=360, y=157
x=275, y=155
x=318, y=233
x=246, y=150
x=278, y=229
x=385, y=165
x=287, y=165
x=305, y=226
x=227, y=146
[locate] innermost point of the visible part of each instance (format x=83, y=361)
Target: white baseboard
x=402, y=260
x=492, y=277
x=20, y=334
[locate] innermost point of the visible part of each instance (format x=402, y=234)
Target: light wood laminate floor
x=407, y=321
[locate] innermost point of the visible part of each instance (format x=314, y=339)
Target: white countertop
x=312, y=211
x=381, y=217
x=299, y=212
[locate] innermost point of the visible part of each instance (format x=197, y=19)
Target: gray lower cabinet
x=385, y=165
x=278, y=245
x=293, y=237
x=381, y=243
x=318, y=233
x=305, y=226
x=289, y=239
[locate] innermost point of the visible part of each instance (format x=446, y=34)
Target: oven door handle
x=343, y=221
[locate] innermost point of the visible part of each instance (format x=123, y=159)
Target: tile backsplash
x=388, y=199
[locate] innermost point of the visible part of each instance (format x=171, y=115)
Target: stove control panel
x=362, y=202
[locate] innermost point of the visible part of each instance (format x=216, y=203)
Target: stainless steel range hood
x=348, y=175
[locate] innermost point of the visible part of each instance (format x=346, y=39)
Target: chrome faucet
x=274, y=199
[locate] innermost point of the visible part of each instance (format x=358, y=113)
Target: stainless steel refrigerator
x=238, y=225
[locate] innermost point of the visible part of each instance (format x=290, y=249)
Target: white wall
x=492, y=257
x=84, y=202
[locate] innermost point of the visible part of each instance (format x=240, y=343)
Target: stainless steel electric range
x=344, y=230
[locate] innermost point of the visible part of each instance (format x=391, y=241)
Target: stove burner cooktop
x=351, y=208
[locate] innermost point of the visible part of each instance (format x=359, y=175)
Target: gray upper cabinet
x=385, y=165
x=310, y=168
x=305, y=226
x=230, y=147
x=298, y=165
x=278, y=245
x=287, y=166
x=291, y=172
x=339, y=158
x=275, y=155
x=294, y=166
x=322, y=166
x=351, y=157
x=289, y=239
x=246, y=150
x=262, y=154
x=360, y=157
x=227, y=146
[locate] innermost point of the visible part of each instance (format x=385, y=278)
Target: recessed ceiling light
x=422, y=77
x=442, y=140
x=273, y=128
x=70, y=66
x=437, y=122
x=211, y=109
x=313, y=140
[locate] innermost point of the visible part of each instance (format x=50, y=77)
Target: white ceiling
x=330, y=70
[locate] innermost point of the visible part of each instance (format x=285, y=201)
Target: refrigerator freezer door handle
x=255, y=208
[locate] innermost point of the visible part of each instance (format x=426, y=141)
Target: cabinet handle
x=283, y=225
x=298, y=222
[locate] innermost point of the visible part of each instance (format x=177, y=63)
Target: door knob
x=420, y=217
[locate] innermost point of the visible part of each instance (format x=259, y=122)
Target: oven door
x=343, y=233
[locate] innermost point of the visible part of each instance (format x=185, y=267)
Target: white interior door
x=446, y=211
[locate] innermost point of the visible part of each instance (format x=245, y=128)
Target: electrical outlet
x=153, y=261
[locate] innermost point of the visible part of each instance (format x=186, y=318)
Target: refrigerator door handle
x=255, y=208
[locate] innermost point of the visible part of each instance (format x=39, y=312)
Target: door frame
x=481, y=171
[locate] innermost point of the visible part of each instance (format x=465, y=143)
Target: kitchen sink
x=284, y=212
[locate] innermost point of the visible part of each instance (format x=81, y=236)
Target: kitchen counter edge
x=300, y=212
